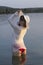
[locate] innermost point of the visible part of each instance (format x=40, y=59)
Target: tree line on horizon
x=8, y=10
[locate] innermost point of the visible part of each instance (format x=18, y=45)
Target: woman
x=19, y=23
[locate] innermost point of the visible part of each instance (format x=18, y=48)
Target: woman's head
x=22, y=21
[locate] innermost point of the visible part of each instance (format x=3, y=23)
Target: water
x=33, y=41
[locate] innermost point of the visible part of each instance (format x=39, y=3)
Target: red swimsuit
x=22, y=50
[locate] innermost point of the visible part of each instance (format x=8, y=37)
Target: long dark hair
x=23, y=20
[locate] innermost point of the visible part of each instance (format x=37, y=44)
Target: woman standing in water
x=19, y=22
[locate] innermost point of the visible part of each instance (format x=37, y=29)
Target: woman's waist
x=19, y=41
x=19, y=44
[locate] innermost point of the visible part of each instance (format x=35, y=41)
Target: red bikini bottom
x=22, y=50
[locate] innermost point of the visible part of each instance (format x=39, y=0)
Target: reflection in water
x=16, y=60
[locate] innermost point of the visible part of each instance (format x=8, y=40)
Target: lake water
x=33, y=41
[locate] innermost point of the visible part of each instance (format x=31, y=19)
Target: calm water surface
x=33, y=41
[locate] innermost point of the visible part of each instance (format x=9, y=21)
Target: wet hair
x=23, y=20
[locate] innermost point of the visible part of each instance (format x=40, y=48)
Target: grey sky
x=21, y=3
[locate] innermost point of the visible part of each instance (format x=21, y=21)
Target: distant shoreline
x=9, y=10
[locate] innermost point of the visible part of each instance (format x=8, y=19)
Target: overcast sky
x=21, y=3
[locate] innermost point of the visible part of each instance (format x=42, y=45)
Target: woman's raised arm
x=13, y=21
